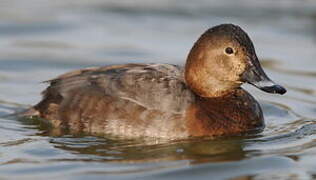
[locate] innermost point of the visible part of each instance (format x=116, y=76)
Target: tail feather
x=29, y=112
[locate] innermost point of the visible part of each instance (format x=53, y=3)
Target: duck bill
x=258, y=78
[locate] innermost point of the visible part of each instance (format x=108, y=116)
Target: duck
x=204, y=98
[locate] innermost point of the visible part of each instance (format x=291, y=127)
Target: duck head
x=222, y=59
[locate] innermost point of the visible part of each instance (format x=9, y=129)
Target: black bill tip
x=275, y=89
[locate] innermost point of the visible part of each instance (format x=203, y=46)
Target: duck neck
x=201, y=81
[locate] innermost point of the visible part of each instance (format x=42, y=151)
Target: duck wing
x=152, y=86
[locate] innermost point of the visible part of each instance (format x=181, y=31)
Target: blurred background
x=40, y=39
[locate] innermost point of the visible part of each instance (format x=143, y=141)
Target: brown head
x=221, y=60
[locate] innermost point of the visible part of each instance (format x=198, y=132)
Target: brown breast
x=232, y=114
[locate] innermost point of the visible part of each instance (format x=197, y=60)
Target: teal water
x=40, y=39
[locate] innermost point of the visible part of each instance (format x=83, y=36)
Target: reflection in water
x=138, y=152
x=114, y=149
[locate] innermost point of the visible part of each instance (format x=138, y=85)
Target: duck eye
x=229, y=50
